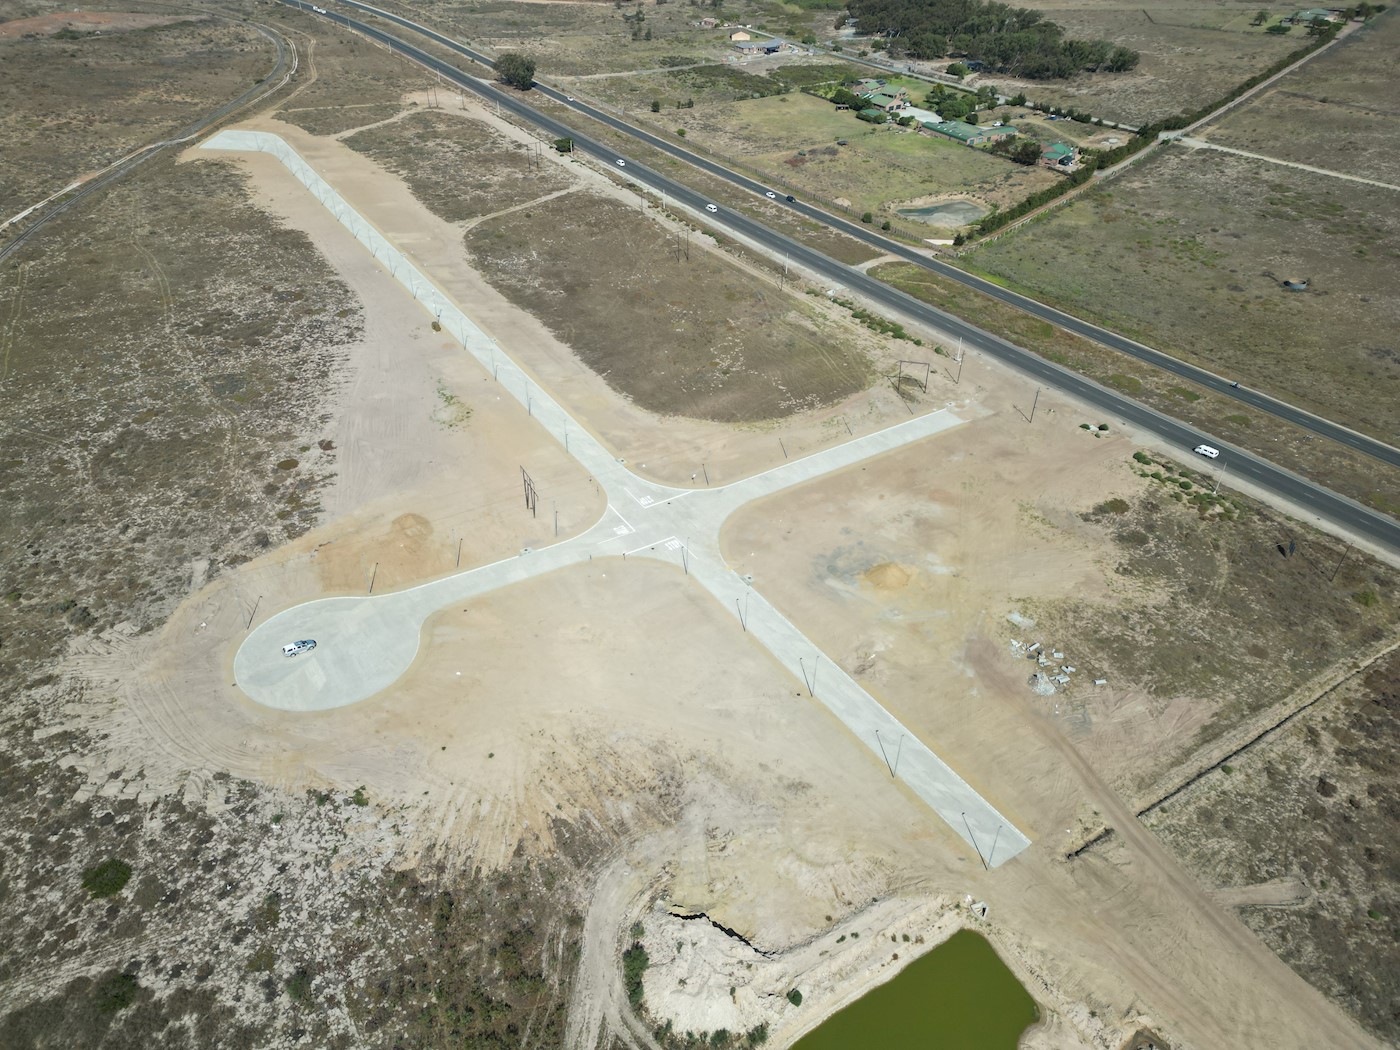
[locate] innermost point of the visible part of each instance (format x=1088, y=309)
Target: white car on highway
x=621, y=163
x=711, y=207
x=771, y=195
x=1207, y=451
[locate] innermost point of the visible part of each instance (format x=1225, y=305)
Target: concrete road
x=364, y=645
x=1328, y=506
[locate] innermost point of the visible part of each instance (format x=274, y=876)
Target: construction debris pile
x=1054, y=673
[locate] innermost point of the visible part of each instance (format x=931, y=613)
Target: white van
x=1207, y=451
x=297, y=648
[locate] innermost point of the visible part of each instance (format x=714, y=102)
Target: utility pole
x=1339, y=564
x=1223, y=468
x=1033, y=404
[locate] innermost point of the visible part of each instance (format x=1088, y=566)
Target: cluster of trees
x=1011, y=40
x=960, y=105
x=1018, y=151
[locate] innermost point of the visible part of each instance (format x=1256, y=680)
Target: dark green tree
x=516, y=70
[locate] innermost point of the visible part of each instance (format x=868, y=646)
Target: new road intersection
x=365, y=644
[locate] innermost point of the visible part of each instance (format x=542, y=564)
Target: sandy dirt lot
x=617, y=694
x=913, y=603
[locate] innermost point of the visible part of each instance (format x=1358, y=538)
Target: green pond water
x=960, y=996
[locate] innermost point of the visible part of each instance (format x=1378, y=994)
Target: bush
x=794, y=997
x=1142, y=457
x=107, y=878
x=656, y=105
x=867, y=217
x=299, y=985
x=885, y=225
x=564, y=145
x=634, y=965
x=1113, y=506
x=115, y=992
x=516, y=70
x=957, y=69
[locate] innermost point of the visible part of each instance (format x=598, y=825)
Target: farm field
x=711, y=83
x=1202, y=241
x=157, y=74
x=879, y=168
x=1192, y=53
x=1337, y=112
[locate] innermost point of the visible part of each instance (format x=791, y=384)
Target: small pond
x=960, y=996
x=948, y=213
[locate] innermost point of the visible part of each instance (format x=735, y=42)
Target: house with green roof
x=1059, y=156
x=1313, y=14
x=968, y=134
x=884, y=100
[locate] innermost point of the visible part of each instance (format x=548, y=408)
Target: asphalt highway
x=1256, y=400
x=1326, y=504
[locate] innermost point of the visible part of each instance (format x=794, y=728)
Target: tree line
x=1011, y=40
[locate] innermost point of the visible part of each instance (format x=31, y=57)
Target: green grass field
x=879, y=165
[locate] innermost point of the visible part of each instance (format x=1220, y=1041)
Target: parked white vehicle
x=297, y=648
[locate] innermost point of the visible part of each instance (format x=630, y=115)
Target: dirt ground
x=732, y=793
x=616, y=698
x=1334, y=113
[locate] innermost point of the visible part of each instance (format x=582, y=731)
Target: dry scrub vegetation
x=1211, y=606
x=1342, y=469
x=165, y=362
x=1200, y=242
x=1336, y=112
x=170, y=357
x=117, y=91
x=685, y=336
x=1319, y=802
x=460, y=168
x=1191, y=53
x=347, y=81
